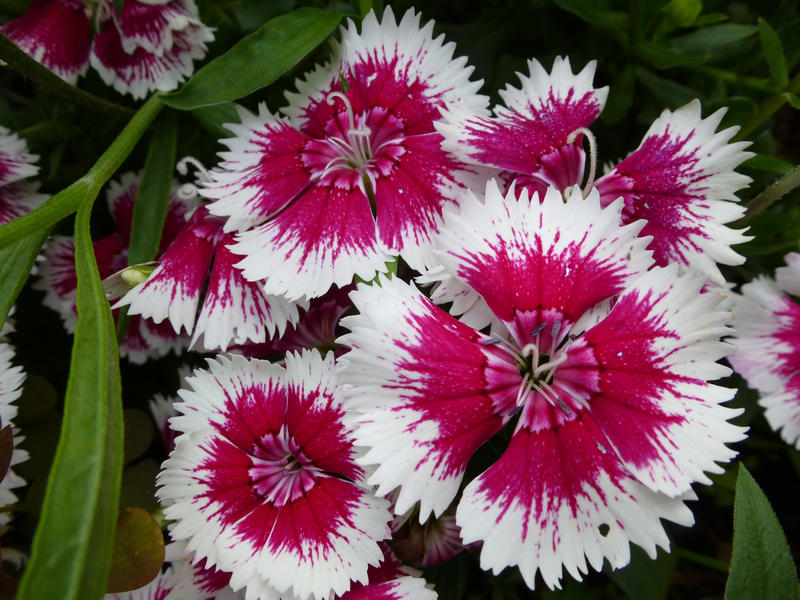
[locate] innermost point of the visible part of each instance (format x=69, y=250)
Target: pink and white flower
x=17, y=195
x=234, y=310
x=144, y=338
x=354, y=173
x=768, y=346
x=391, y=580
x=605, y=364
x=263, y=481
x=681, y=179
x=56, y=33
x=11, y=379
x=151, y=45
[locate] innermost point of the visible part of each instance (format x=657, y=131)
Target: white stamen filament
x=592, y=156
x=183, y=168
x=356, y=150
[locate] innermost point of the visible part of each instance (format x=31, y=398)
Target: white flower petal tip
x=767, y=345
x=682, y=180
x=17, y=196
x=263, y=481
x=605, y=362
x=361, y=147
x=530, y=137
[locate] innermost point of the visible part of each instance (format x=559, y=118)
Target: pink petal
x=150, y=25
x=263, y=171
x=305, y=530
x=681, y=179
x=56, y=33
x=556, y=498
x=145, y=340
x=173, y=290
x=410, y=369
x=403, y=588
x=19, y=198
x=140, y=72
x=236, y=310
x=15, y=161
x=322, y=239
x=56, y=270
x=529, y=135
x=768, y=352
x=571, y=255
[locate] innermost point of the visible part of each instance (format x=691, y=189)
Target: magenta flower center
x=280, y=472
x=358, y=148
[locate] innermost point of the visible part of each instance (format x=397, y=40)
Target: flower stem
x=701, y=559
x=776, y=191
x=66, y=201
x=28, y=67
x=769, y=108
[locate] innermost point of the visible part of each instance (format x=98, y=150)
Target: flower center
x=355, y=152
x=280, y=472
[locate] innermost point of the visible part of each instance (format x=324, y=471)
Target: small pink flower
x=354, y=174
x=604, y=364
x=17, y=195
x=681, y=179
x=149, y=46
x=768, y=346
x=144, y=338
x=234, y=310
x=263, y=481
x=56, y=33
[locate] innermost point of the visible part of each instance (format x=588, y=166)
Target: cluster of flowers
x=584, y=325
x=149, y=45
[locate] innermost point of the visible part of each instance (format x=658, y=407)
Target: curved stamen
x=183, y=168
x=592, y=156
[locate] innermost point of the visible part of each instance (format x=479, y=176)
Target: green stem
x=776, y=191
x=701, y=559
x=769, y=108
x=87, y=187
x=28, y=67
x=761, y=85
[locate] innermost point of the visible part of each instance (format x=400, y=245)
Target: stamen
x=592, y=156
x=183, y=168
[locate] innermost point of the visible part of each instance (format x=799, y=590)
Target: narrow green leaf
x=27, y=66
x=152, y=199
x=684, y=12
x=595, y=13
x=793, y=99
x=71, y=550
x=16, y=261
x=138, y=551
x=257, y=60
x=708, y=40
x=66, y=201
x=662, y=57
x=773, y=52
x=761, y=566
x=668, y=92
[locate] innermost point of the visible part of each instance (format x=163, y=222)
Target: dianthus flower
x=17, y=196
x=680, y=179
x=11, y=378
x=263, y=481
x=767, y=344
x=143, y=338
x=604, y=363
x=354, y=174
x=150, y=45
x=234, y=310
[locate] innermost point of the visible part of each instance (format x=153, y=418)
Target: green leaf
x=16, y=261
x=71, y=550
x=645, y=578
x=138, y=551
x=793, y=99
x=620, y=97
x=214, y=118
x=66, y=202
x=667, y=92
x=595, y=13
x=155, y=185
x=761, y=565
x=708, y=40
x=773, y=52
x=257, y=60
x=662, y=57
